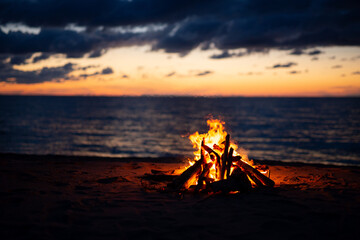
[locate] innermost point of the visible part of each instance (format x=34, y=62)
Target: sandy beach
x=59, y=197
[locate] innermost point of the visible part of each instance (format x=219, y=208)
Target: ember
x=218, y=167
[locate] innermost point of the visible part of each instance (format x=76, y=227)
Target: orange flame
x=215, y=139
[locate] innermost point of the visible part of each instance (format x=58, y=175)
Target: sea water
x=317, y=130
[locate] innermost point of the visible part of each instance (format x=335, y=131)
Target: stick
x=255, y=173
x=229, y=163
x=189, y=176
x=203, y=175
x=241, y=178
x=237, y=160
x=224, y=156
x=218, y=159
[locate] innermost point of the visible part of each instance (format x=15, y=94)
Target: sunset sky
x=159, y=47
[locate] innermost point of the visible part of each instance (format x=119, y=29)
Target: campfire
x=219, y=166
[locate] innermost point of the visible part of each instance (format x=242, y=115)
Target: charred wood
x=252, y=172
x=229, y=162
x=224, y=157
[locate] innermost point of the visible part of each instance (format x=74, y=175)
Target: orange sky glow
x=140, y=71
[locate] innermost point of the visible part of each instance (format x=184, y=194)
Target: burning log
x=229, y=162
x=256, y=174
x=224, y=157
x=217, y=160
x=189, y=176
x=238, y=181
x=203, y=176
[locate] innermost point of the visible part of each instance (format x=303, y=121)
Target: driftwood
x=189, y=176
x=229, y=162
x=256, y=174
x=203, y=176
x=238, y=181
x=224, y=157
x=241, y=178
x=217, y=160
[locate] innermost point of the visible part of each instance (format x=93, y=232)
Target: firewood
x=224, y=157
x=241, y=178
x=203, y=175
x=189, y=176
x=255, y=173
x=229, y=162
x=218, y=148
x=217, y=161
x=237, y=183
x=253, y=178
x=209, y=150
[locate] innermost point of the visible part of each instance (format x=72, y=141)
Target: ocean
x=316, y=130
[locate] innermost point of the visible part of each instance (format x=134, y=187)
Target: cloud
x=299, y=52
x=336, y=66
x=314, y=52
x=76, y=28
x=204, y=73
x=46, y=74
x=285, y=65
x=224, y=54
x=170, y=74
x=294, y=72
x=107, y=71
x=41, y=57
x=314, y=59
x=356, y=73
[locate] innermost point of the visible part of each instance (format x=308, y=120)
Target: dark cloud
x=187, y=24
x=19, y=59
x=8, y=74
x=125, y=76
x=336, y=66
x=107, y=71
x=294, y=72
x=299, y=52
x=71, y=43
x=314, y=59
x=314, y=52
x=204, y=73
x=356, y=73
x=224, y=54
x=285, y=65
x=97, y=53
x=41, y=57
x=47, y=74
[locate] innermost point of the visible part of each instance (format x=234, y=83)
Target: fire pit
x=219, y=166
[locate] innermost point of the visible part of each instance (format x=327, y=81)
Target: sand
x=48, y=197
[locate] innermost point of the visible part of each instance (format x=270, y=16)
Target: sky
x=305, y=48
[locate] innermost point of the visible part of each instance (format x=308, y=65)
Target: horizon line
x=176, y=95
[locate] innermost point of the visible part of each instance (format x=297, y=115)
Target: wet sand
x=58, y=197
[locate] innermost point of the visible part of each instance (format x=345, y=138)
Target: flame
x=215, y=139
